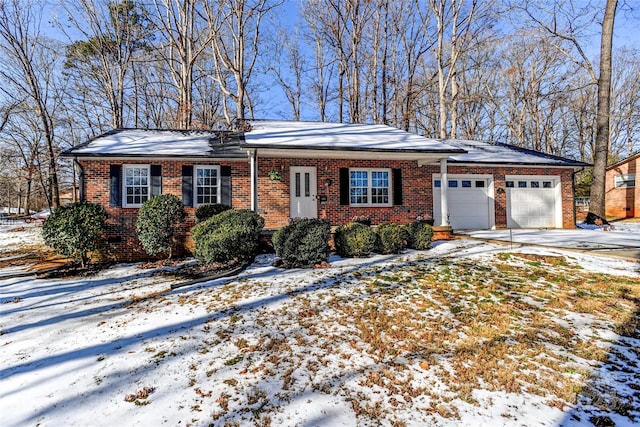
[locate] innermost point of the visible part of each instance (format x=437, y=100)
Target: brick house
x=622, y=196
x=337, y=171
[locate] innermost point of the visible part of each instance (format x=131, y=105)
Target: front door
x=303, y=192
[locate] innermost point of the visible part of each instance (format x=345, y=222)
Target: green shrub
x=75, y=230
x=354, y=240
x=229, y=236
x=156, y=223
x=419, y=235
x=206, y=211
x=392, y=238
x=303, y=243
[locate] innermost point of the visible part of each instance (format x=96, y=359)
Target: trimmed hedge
x=206, y=211
x=354, y=240
x=419, y=235
x=392, y=238
x=156, y=224
x=303, y=243
x=76, y=229
x=229, y=236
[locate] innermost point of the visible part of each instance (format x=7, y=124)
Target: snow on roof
x=281, y=134
x=158, y=143
x=498, y=153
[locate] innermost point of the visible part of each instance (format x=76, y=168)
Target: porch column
x=444, y=201
x=254, y=181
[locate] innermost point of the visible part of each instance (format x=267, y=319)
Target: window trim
x=389, y=187
x=624, y=180
x=124, y=184
x=195, y=183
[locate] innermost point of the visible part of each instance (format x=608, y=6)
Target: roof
x=280, y=134
x=309, y=139
x=161, y=143
x=623, y=161
x=499, y=153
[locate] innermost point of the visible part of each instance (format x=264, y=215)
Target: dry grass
x=421, y=337
x=491, y=327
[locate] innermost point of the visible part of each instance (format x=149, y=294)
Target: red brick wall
x=622, y=202
x=273, y=200
x=121, y=234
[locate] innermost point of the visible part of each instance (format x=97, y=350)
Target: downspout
x=81, y=180
x=444, y=201
x=254, y=181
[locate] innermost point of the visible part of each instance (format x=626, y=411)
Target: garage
x=470, y=201
x=533, y=201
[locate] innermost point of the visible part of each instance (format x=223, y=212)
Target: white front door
x=303, y=194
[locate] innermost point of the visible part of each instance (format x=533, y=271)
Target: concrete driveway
x=622, y=242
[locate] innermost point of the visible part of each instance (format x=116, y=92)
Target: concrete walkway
x=623, y=242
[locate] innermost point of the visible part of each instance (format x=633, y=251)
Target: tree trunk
x=597, y=197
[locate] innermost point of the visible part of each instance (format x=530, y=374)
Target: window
x=436, y=183
x=535, y=184
x=466, y=184
x=522, y=184
x=625, y=180
x=510, y=184
x=369, y=187
x=479, y=184
x=207, y=179
x=136, y=185
x=546, y=184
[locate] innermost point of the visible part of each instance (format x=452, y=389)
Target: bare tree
x=234, y=29
x=102, y=63
x=28, y=73
x=183, y=42
x=597, y=196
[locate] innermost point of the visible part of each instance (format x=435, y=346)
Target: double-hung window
x=370, y=187
x=207, y=184
x=625, y=180
x=136, y=185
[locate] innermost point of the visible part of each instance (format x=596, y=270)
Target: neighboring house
x=337, y=171
x=622, y=196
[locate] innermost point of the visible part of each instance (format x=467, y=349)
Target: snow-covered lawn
x=467, y=333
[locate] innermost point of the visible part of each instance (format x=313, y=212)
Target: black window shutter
x=344, y=186
x=397, y=186
x=156, y=180
x=115, y=189
x=187, y=185
x=225, y=185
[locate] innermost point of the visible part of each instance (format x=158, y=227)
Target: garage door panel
x=468, y=205
x=531, y=205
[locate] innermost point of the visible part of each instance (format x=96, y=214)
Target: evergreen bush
x=156, y=224
x=75, y=230
x=354, y=240
x=392, y=238
x=419, y=235
x=206, y=211
x=232, y=235
x=303, y=243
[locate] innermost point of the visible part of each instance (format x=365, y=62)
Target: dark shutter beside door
x=156, y=180
x=187, y=185
x=115, y=187
x=344, y=186
x=397, y=186
x=225, y=185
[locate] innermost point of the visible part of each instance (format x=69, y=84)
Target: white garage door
x=533, y=202
x=469, y=202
